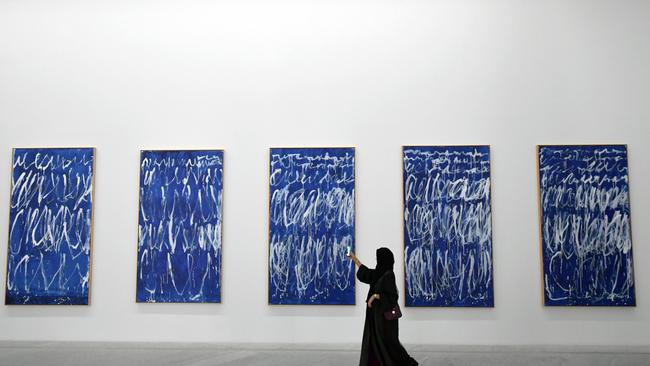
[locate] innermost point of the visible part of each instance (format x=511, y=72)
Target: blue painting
x=311, y=226
x=447, y=226
x=50, y=226
x=180, y=223
x=585, y=226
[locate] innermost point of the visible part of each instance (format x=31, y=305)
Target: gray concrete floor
x=161, y=354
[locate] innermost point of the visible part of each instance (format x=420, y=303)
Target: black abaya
x=381, y=336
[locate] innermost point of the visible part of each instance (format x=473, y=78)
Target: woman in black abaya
x=381, y=344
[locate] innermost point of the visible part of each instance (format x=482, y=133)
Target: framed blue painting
x=311, y=226
x=180, y=226
x=447, y=226
x=50, y=226
x=586, y=238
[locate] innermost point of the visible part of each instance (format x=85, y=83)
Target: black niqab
x=385, y=263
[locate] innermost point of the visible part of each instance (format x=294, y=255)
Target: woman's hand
x=354, y=258
x=371, y=299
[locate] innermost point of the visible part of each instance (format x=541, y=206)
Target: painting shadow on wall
x=46, y=311
x=592, y=314
x=450, y=314
x=324, y=311
x=200, y=309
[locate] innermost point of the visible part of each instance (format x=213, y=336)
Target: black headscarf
x=385, y=262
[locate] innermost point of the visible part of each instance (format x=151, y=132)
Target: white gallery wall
x=245, y=75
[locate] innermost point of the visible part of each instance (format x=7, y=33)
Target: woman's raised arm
x=354, y=258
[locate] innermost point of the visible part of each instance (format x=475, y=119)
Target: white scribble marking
x=448, y=225
x=586, y=224
x=316, y=261
x=180, y=222
x=43, y=221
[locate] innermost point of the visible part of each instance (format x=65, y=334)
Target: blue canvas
x=50, y=226
x=180, y=220
x=311, y=212
x=447, y=226
x=585, y=226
